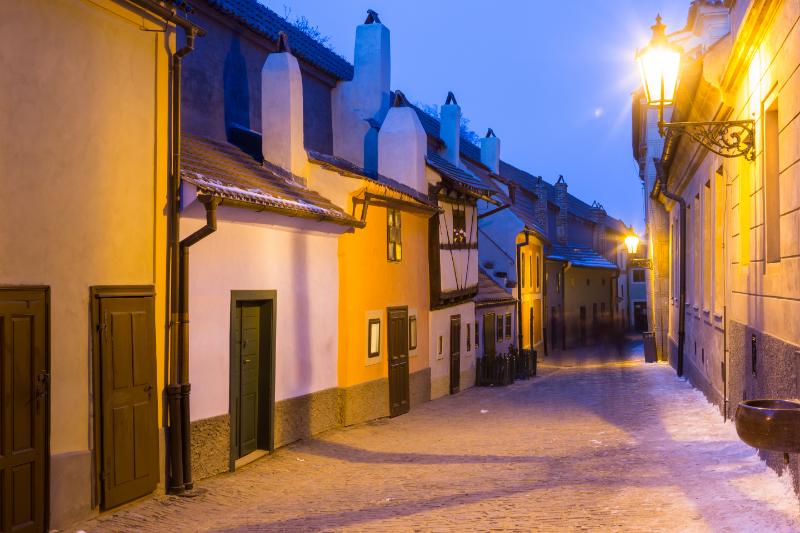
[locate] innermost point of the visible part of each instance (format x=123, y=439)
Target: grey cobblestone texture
x=585, y=446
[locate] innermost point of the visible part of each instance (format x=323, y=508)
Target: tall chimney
x=282, y=110
x=402, y=146
x=360, y=105
x=599, y=230
x=540, y=206
x=490, y=151
x=450, y=130
x=562, y=218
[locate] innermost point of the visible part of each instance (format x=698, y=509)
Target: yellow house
x=85, y=161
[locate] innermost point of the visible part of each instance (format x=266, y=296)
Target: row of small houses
x=221, y=237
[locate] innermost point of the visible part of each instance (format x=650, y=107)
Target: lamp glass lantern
x=659, y=65
x=632, y=243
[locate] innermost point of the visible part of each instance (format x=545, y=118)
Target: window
x=412, y=333
x=638, y=276
x=508, y=325
x=588, y=281
x=441, y=345
x=395, y=246
x=469, y=337
x=538, y=272
x=499, y=327
x=459, y=225
x=522, y=269
x=477, y=336
x=772, y=214
x=559, y=280
x=530, y=270
x=374, y=337
x=719, y=236
x=697, y=234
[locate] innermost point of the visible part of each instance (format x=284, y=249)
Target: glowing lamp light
x=632, y=243
x=659, y=63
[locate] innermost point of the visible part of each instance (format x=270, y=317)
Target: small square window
x=374, y=340
x=412, y=333
x=499, y=327
x=508, y=325
x=638, y=276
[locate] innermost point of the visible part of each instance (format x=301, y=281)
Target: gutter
x=175, y=469
x=660, y=188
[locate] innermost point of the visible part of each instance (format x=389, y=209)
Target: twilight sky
x=553, y=79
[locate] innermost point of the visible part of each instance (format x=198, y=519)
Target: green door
x=128, y=417
x=250, y=352
x=24, y=386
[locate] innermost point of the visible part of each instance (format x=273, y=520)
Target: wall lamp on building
x=632, y=243
x=659, y=64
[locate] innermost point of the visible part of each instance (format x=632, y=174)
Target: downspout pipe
x=210, y=227
x=519, y=294
x=682, y=290
x=175, y=484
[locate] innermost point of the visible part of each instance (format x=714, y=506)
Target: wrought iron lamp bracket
x=733, y=138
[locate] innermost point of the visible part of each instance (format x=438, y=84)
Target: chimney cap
x=451, y=98
x=372, y=17
x=283, y=42
x=400, y=99
x=561, y=179
x=490, y=133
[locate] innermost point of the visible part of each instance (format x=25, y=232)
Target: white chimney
x=360, y=105
x=282, y=110
x=450, y=130
x=490, y=151
x=402, y=146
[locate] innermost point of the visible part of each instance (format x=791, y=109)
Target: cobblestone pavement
x=606, y=446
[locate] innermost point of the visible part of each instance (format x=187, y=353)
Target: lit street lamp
x=659, y=64
x=632, y=243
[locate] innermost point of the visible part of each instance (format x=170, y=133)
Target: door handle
x=247, y=361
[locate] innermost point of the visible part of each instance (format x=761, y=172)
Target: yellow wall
x=369, y=283
x=83, y=162
x=530, y=291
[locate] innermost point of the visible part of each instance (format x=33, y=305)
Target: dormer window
x=459, y=225
x=393, y=237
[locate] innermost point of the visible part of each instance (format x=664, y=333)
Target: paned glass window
x=412, y=333
x=393, y=236
x=459, y=225
x=374, y=337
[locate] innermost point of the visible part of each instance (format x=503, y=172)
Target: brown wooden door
x=455, y=353
x=397, y=339
x=129, y=457
x=24, y=399
x=489, y=334
x=249, y=340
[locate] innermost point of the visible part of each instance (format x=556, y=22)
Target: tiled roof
x=266, y=22
x=457, y=174
x=223, y=170
x=580, y=257
x=490, y=292
x=346, y=167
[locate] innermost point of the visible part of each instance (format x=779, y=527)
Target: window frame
x=508, y=326
x=372, y=322
x=499, y=334
x=412, y=332
x=394, y=235
x=459, y=226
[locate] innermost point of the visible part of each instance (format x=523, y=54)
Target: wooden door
x=128, y=418
x=397, y=338
x=640, y=316
x=24, y=397
x=249, y=341
x=489, y=334
x=455, y=353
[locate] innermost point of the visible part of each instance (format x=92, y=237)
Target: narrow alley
x=593, y=442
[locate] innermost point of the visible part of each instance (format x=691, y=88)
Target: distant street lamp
x=632, y=243
x=659, y=64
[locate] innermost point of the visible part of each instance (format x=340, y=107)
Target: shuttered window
x=393, y=236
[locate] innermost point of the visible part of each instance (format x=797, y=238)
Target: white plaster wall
x=258, y=251
x=439, y=321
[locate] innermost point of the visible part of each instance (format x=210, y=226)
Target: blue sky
x=553, y=79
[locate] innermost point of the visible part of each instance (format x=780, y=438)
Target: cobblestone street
x=607, y=446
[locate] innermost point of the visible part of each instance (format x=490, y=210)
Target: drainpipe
x=175, y=483
x=210, y=227
x=682, y=259
x=564, y=267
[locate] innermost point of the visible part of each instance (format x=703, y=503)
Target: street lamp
x=659, y=64
x=632, y=243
